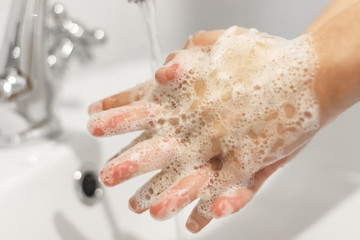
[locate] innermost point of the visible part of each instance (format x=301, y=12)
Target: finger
x=113, y=101
x=197, y=221
x=142, y=137
x=231, y=202
x=148, y=193
x=204, y=38
x=146, y=156
x=180, y=195
x=166, y=74
x=146, y=135
x=199, y=39
x=129, y=118
x=235, y=199
x=121, y=99
x=170, y=58
x=265, y=173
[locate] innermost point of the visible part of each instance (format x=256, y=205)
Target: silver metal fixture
x=38, y=44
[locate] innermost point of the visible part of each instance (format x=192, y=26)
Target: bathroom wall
x=177, y=20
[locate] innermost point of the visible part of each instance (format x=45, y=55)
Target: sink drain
x=88, y=186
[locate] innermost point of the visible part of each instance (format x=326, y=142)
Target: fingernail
x=133, y=205
x=165, y=74
x=98, y=132
x=192, y=225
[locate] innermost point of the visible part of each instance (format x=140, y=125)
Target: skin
x=337, y=87
x=338, y=84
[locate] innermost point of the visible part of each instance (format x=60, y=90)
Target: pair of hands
x=223, y=115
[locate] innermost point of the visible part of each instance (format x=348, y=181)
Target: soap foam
x=235, y=107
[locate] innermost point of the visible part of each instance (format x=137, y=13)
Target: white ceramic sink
x=39, y=196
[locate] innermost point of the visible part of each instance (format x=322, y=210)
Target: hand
x=225, y=113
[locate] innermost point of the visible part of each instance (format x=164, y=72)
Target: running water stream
x=148, y=10
x=149, y=13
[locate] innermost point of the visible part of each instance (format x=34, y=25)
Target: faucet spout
x=24, y=75
x=22, y=49
x=31, y=61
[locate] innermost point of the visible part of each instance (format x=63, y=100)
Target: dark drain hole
x=89, y=184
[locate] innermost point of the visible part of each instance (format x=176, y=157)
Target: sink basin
x=39, y=194
x=316, y=196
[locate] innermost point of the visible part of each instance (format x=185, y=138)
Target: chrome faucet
x=38, y=44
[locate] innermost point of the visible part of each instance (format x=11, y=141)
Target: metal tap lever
x=37, y=47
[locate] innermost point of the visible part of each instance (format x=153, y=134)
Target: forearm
x=334, y=8
x=337, y=43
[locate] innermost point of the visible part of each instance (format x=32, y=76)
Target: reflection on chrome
x=38, y=44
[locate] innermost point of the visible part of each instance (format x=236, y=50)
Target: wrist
x=337, y=45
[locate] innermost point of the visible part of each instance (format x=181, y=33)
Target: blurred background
x=177, y=20
x=317, y=196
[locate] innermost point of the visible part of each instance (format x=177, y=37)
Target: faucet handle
x=70, y=38
x=12, y=84
x=75, y=30
x=38, y=44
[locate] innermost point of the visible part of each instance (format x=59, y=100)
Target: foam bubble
x=236, y=107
